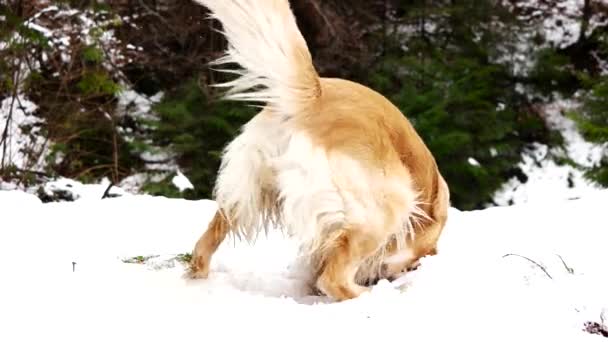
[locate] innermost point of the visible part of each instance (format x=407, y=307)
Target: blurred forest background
x=120, y=89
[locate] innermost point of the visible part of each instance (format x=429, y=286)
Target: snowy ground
x=471, y=290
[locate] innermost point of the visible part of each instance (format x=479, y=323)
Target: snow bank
x=472, y=290
x=181, y=181
x=74, y=190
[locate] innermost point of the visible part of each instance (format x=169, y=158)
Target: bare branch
x=532, y=261
x=569, y=269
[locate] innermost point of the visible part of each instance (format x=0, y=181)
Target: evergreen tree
x=196, y=127
x=592, y=120
x=447, y=79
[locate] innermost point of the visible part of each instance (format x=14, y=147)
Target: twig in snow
x=570, y=270
x=107, y=192
x=532, y=261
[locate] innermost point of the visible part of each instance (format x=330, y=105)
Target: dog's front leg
x=207, y=245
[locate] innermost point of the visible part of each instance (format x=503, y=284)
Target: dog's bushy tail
x=263, y=38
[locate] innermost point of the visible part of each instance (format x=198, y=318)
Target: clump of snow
x=137, y=105
x=181, y=181
x=134, y=182
x=562, y=27
x=159, y=159
x=473, y=161
x=534, y=272
x=45, y=32
x=75, y=190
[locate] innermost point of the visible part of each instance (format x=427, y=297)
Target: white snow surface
x=181, y=181
x=469, y=291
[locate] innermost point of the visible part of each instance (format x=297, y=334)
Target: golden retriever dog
x=330, y=161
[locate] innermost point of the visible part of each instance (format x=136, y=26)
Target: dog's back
x=332, y=161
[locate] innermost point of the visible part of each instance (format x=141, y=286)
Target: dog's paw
x=340, y=291
x=413, y=266
x=200, y=274
x=199, y=269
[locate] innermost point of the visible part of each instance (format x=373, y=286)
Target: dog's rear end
x=331, y=161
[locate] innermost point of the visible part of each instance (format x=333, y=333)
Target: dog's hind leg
x=347, y=250
x=207, y=245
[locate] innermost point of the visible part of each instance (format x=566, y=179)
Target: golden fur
x=340, y=166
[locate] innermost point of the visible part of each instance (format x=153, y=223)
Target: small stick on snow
x=570, y=270
x=107, y=192
x=532, y=261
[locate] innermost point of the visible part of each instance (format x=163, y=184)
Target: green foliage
x=436, y=60
x=92, y=54
x=97, y=83
x=463, y=105
x=463, y=110
x=552, y=71
x=140, y=259
x=592, y=122
x=197, y=130
x=20, y=41
x=76, y=100
x=184, y=258
x=599, y=173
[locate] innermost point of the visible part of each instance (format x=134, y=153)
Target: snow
x=582, y=152
x=135, y=104
x=559, y=21
x=562, y=27
x=181, y=181
x=472, y=161
x=548, y=180
x=64, y=274
x=46, y=32
x=79, y=191
x=534, y=270
x=25, y=147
